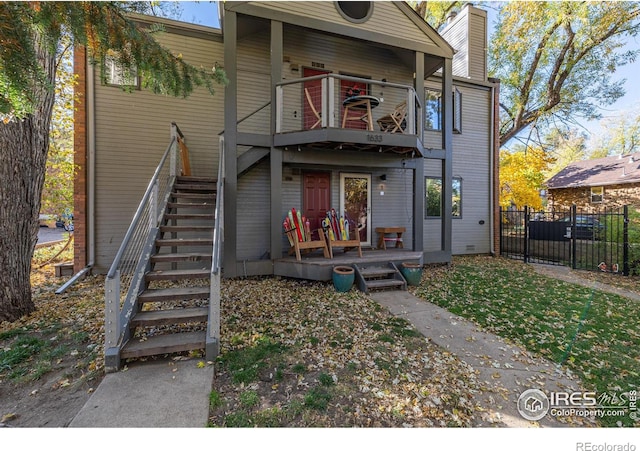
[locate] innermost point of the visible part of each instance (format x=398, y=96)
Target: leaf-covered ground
x=299, y=354
x=594, y=334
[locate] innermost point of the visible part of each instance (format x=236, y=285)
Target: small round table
x=359, y=104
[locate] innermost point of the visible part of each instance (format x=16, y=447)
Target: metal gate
x=597, y=241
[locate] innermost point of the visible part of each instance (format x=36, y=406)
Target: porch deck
x=314, y=266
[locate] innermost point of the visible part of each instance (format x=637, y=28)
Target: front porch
x=314, y=266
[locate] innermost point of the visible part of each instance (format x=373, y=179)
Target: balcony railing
x=344, y=102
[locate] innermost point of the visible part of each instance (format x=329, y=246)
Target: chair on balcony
x=313, y=109
x=395, y=122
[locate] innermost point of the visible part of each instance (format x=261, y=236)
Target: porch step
x=174, y=294
x=174, y=316
x=164, y=344
x=185, y=242
x=181, y=257
x=178, y=274
x=379, y=276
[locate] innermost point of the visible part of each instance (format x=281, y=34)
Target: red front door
x=316, y=198
x=315, y=93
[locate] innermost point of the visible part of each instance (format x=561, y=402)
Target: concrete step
x=379, y=284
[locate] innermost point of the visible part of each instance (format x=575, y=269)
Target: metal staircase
x=162, y=292
x=172, y=316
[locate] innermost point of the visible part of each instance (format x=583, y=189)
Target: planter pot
x=343, y=278
x=412, y=272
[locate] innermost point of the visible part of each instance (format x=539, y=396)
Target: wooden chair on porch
x=298, y=247
x=347, y=244
x=313, y=109
x=395, y=122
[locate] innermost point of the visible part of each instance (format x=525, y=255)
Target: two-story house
x=359, y=107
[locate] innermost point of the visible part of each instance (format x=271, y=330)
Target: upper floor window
x=433, y=110
x=116, y=75
x=357, y=12
x=597, y=194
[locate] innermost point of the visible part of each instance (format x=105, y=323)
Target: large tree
x=31, y=41
x=554, y=59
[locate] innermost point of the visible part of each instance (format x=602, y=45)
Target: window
x=597, y=194
x=433, y=197
x=357, y=12
x=114, y=74
x=433, y=110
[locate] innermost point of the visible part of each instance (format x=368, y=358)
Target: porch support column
x=276, y=154
x=231, y=139
x=447, y=145
x=418, y=173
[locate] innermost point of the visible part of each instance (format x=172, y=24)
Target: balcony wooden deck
x=314, y=266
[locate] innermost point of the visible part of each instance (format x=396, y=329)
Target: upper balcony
x=348, y=113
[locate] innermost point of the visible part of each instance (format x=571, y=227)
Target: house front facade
x=360, y=107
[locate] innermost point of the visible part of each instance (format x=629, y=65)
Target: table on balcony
x=362, y=106
x=383, y=231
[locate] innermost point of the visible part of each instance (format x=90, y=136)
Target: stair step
x=384, y=283
x=181, y=257
x=376, y=272
x=194, y=187
x=190, y=178
x=198, y=217
x=177, y=274
x=186, y=228
x=190, y=205
x=164, y=344
x=174, y=294
x=185, y=242
x=174, y=316
x=204, y=196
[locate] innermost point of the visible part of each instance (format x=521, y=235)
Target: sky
x=206, y=13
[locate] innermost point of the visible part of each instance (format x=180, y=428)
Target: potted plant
x=343, y=278
x=412, y=272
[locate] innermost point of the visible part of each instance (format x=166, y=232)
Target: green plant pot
x=343, y=278
x=412, y=272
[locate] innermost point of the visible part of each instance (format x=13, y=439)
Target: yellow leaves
x=522, y=177
x=201, y=364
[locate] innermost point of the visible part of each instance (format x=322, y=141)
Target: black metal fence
x=583, y=240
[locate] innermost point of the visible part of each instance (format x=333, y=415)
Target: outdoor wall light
x=383, y=177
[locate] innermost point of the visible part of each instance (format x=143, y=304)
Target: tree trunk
x=24, y=144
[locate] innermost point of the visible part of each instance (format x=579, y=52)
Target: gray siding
x=386, y=18
x=254, y=213
x=471, y=163
x=133, y=131
x=467, y=34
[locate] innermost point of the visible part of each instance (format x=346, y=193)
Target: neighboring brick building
x=592, y=185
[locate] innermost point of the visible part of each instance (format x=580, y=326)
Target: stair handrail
x=132, y=260
x=212, y=344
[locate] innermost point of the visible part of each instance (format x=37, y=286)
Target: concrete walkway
x=504, y=370
x=160, y=394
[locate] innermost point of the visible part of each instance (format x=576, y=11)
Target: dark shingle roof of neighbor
x=599, y=172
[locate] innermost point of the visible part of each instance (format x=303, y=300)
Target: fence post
x=500, y=226
x=526, y=234
x=625, y=241
x=574, y=240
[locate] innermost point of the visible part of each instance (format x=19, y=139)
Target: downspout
x=492, y=172
x=91, y=170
